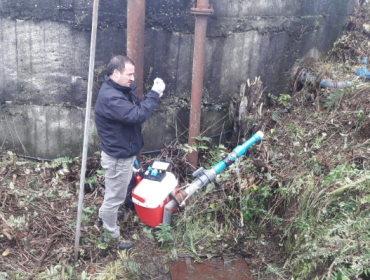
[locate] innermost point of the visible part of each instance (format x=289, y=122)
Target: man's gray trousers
x=118, y=173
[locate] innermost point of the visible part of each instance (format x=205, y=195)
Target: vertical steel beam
x=135, y=40
x=202, y=11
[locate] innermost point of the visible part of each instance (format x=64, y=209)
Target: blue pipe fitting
x=240, y=150
x=229, y=159
x=237, y=152
x=219, y=167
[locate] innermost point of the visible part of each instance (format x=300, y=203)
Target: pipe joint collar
x=180, y=197
x=230, y=159
x=202, y=10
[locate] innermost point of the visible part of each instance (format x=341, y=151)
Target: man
x=119, y=114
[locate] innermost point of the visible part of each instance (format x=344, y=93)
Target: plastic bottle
x=327, y=83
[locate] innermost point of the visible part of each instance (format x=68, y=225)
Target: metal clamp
x=202, y=10
x=179, y=198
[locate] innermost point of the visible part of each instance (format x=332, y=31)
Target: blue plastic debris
x=363, y=72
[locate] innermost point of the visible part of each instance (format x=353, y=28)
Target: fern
x=18, y=223
x=63, y=161
x=125, y=267
x=276, y=116
x=334, y=100
x=129, y=265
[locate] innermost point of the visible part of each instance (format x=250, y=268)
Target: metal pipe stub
x=201, y=11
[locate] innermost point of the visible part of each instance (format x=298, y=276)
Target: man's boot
x=120, y=215
x=120, y=242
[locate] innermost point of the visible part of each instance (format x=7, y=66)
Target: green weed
x=283, y=99
x=163, y=234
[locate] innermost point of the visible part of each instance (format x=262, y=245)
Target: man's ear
x=116, y=73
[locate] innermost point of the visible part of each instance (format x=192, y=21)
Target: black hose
x=34, y=158
x=158, y=151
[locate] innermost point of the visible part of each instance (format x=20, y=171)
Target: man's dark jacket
x=119, y=114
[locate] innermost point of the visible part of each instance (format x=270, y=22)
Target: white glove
x=159, y=86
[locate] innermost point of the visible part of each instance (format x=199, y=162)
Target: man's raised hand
x=159, y=86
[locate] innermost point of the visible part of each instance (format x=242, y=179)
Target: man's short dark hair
x=118, y=62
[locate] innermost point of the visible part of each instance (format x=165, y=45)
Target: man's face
x=126, y=77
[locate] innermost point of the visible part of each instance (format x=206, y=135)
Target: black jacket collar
x=118, y=87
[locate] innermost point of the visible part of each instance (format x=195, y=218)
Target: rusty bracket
x=202, y=10
x=179, y=198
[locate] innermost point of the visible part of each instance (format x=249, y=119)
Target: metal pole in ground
x=135, y=43
x=135, y=40
x=87, y=124
x=201, y=11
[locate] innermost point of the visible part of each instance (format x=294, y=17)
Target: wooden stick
x=45, y=252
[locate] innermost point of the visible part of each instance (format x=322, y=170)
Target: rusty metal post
x=135, y=40
x=202, y=11
x=135, y=43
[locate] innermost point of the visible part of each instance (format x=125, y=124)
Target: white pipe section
x=260, y=134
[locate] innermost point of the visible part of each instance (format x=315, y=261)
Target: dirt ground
x=43, y=197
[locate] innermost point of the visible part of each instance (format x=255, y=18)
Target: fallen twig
x=45, y=252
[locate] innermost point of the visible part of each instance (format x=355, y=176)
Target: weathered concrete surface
x=44, y=55
x=56, y=131
x=46, y=131
x=42, y=63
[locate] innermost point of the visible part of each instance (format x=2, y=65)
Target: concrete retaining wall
x=44, y=56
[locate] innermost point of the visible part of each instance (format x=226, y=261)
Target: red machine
x=153, y=193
